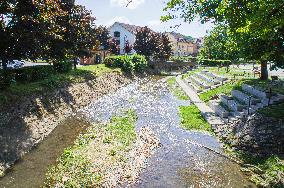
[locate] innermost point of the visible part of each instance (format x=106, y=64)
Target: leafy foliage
x=220, y=44
x=128, y=63
x=53, y=30
x=128, y=47
x=164, y=50
x=103, y=37
x=114, y=46
x=151, y=44
x=257, y=25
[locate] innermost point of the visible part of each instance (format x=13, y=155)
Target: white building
x=123, y=32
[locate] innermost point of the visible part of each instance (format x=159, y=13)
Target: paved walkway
x=206, y=111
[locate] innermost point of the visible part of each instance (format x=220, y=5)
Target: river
x=181, y=161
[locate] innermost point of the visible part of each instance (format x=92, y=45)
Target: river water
x=179, y=162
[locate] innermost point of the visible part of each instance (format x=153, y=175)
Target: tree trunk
x=75, y=63
x=264, y=71
x=5, y=81
x=228, y=66
x=4, y=63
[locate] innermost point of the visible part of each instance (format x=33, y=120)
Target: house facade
x=182, y=45
x=122, y=32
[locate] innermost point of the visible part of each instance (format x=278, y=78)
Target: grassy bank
x=176, y=90
x=54, y=81
x=95, y=154
x=224, y=89
x=191, y=119
x=265, y=172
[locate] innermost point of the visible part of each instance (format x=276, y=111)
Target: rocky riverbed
x=28, y=120
x=185, y=158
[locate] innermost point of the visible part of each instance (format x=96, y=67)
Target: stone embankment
x=256, y=134
x=28, y=120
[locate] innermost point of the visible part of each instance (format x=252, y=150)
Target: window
x=117, y=34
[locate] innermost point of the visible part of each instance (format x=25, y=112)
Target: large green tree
x=77, y=36
x=220, y=44
x=259, y=24
x=26, y=26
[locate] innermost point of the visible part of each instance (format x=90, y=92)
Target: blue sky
x=142, y=13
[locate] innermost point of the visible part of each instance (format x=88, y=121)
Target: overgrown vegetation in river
x=192, y=119
x=176, y=90
x=263, y=171
x=95, y=154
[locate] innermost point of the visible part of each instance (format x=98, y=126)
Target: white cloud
x=130, y=4
x=121, y=19
x=153, y=23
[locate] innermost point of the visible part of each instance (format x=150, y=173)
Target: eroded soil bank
x=28, y=120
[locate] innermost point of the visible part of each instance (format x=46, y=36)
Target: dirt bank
x=28, y=120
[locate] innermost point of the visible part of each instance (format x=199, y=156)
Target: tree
x=146, y=42
x=114, y=47
x=164, y=50
x=128, y=47
x=25, y=28
x=78, y=35
x=220, y=44
x=257, y=23
x=103, y=36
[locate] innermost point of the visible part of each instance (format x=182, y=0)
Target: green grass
x=224, y=89
x=266, y=85
x=191, y=119
x=275, y=111
x=82, y=74
x=86, y=163
x=188, y=74
x=264, y=171
x=176, y=90
x=223, y=72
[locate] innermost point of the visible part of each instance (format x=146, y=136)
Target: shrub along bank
x=31, y=80
x=128, y=63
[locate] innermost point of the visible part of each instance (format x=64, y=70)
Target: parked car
x=15, y=64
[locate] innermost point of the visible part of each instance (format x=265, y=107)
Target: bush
x=140, y=63
x=28, y=74
x=6, y=78
x=213, y=62
x=131, y=63
x=63, y=66
x=181, y=59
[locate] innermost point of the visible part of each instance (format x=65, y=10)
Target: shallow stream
x=179, y=162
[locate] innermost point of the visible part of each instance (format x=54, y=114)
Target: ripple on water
x=179, y=162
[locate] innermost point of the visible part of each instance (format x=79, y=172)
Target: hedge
x=30, y=74
x=128, y=63
x=181, y=59
x=212, y=62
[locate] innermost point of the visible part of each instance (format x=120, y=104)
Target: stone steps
x=206, y=79
x=193, y=86
x=219, y=110
x=199, y=82
x=214, y=76
x=244, y=98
